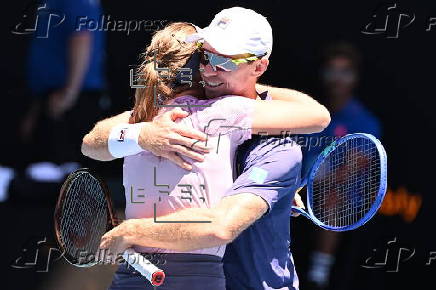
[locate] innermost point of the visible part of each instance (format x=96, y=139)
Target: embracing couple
x=203, y=184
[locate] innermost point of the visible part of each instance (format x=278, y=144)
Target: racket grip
x=147, y=269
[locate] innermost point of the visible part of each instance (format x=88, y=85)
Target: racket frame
x=156, y=277
x=380, y=194
x=111, y=218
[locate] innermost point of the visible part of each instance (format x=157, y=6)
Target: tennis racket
x=83, y=215
x=346, y=184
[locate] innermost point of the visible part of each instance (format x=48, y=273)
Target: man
x=66, y=79
x=260, y=198
x=339, y=78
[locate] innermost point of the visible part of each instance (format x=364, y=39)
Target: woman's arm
x=95, y=143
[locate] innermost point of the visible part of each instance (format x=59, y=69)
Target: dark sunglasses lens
x=216, y=61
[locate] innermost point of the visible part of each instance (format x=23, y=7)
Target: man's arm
x=95, y=143
x=232, y=215
x=293, y=111
x=163, y=137
x=284, y=94
x=79, y=48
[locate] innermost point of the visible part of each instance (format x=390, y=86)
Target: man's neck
x=251, y=94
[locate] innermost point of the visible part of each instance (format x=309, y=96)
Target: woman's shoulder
x=191, y=100
x=196, y=104
x=213, y=106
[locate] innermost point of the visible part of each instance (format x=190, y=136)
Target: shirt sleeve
x=270, y=172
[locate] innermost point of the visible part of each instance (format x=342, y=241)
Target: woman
x=156, y=187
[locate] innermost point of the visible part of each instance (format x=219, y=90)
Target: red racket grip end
x=157, y=278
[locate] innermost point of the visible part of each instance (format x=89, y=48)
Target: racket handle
x=147, y=269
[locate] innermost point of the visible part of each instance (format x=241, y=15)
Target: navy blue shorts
x=182, y=271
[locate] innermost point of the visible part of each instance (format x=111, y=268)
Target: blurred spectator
x=339, y=78
x=65, y=77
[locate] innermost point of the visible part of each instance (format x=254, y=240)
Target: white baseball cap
x=237, y=30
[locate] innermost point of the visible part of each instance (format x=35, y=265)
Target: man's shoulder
x=266, y=143
x=283, y=151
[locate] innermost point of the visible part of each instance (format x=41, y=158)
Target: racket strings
x=346, y=183
x=84, y=219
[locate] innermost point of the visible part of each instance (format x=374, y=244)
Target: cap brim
x=194, y=37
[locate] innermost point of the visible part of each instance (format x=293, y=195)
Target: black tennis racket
x=83, y=215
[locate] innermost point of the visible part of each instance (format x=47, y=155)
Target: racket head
x=356, y=166
x=83, y=214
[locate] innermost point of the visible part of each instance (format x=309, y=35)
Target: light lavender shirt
x=155, y=186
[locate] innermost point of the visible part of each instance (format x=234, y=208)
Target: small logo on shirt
x=223, y=22
x=122, y=134
x=258, y=175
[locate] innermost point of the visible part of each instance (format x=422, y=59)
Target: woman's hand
x=166, y=138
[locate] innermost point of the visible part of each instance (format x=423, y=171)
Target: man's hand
x=166, y=138
x=298, y=203
x=60, y=102
x=115, y=241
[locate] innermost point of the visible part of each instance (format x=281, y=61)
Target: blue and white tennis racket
x=347, y=183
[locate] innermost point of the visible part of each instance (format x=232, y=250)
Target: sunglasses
x=223, y=63
x=347, y=75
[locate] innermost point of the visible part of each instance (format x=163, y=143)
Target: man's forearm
x=181, y=231
x=177, y=236
x=293, y=111
x=227, y=220
x=95, y=143
x=285, y=94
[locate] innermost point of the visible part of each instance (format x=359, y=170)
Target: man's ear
x=260, y=67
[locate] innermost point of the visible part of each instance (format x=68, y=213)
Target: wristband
x=123, y=140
